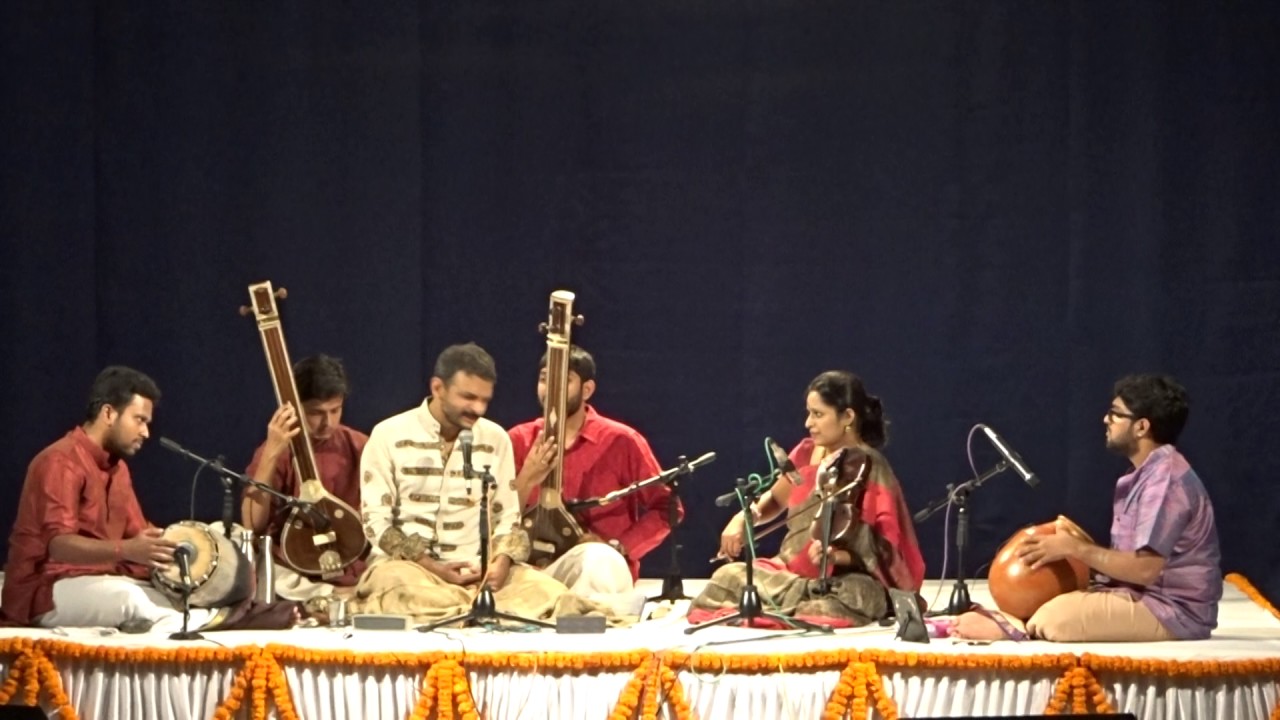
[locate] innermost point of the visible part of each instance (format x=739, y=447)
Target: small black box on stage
x=582, y=624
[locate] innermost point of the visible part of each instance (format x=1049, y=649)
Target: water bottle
x=338, y=612
x=266, y=592
x=246, y=546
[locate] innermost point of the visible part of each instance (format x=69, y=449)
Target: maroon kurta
x=606, y=456
x=338, y=462
x=72, y=487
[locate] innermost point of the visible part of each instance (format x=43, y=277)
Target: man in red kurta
x=81, y=548
x=601, y=455
x=322, y=388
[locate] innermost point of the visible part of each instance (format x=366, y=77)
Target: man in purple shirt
x=1161, y=578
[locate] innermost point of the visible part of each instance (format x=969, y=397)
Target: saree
x=881, y=542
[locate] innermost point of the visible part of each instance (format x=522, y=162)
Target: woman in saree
x=877, y=553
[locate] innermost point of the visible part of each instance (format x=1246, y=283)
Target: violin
x=840, y=503
x=840, y=488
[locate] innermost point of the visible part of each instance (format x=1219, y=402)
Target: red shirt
x=606, y=456
x=73, y=486
x=338, y=462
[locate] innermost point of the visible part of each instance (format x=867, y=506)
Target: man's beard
x=116, y=447
x=572, y=404
x=1123, y=446
x=460, y=418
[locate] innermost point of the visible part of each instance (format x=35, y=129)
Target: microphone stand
x=673, y=583
x=186, y=633
x=484, y=609
x=229, y=477
x=959, y=494
x=749, y=605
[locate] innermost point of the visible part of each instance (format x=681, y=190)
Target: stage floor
x=646, y=669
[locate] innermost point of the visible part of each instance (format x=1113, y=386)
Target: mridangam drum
x=220, y=575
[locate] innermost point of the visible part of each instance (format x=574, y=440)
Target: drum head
x=220, y=576
x=204, y=553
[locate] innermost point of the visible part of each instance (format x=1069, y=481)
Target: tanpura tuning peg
x=578, y=320
x=280, y=294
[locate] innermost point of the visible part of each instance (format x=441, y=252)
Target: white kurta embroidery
x=406, y=484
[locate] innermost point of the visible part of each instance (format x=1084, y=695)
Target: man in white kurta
x=423, y=516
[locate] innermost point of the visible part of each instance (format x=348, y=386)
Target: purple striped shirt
x=1163, y=506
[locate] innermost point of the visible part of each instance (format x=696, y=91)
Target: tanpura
x=323, y=534
x=551, y=527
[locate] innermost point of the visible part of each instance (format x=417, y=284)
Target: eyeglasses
x=1114, y=415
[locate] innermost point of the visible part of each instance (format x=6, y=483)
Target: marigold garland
x=426, y=696
x=673, y=691
x=884, y=704
x=51, y=680
x=1242, y=583
x=17, y=671
x=654, y=680
x=846, y=687
x=629, y=698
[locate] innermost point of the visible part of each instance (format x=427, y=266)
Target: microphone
x=704, y=459
x=1012, y=457
x=465, y=437
x=785, y=467
x=168, y=444
x=228, y=503
x=726, y=499
x=182, y=555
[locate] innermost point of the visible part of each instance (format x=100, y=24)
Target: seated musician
x=1161, y=578
x=877, y=554
x=322, y=388
x=423, y=515
x=601, y=455
x=81, y=551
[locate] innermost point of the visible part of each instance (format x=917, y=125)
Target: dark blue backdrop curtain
x=989, y=210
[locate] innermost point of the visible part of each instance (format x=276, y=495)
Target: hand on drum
x=1040, y=550
x=149, y=548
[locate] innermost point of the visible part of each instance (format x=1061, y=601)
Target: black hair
x=1158, y=398
x=115, y=386
x=320, y=377
x=844, y=391
x=469, y=358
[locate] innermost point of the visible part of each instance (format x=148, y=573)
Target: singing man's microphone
x=182, y=555
x=464, y=437
x=1014, y=460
